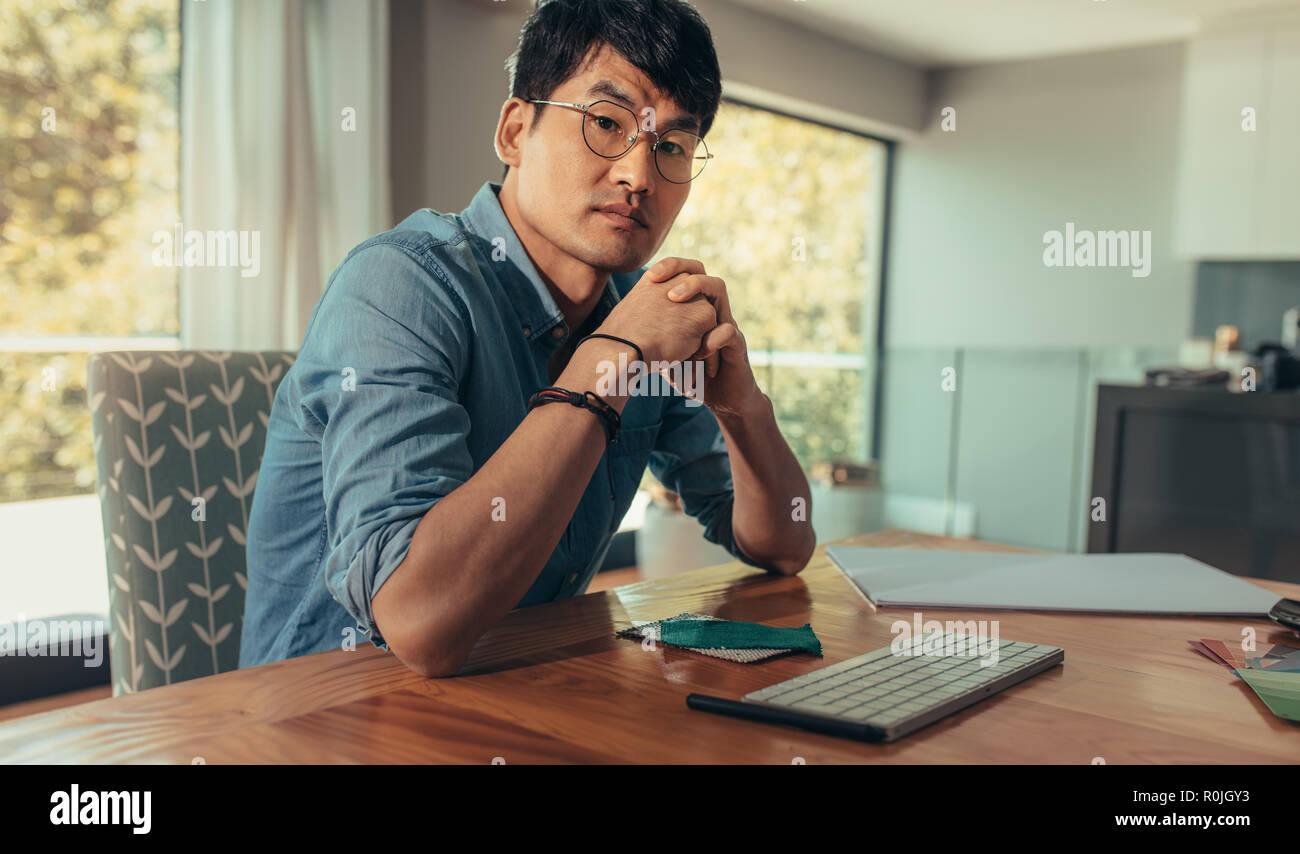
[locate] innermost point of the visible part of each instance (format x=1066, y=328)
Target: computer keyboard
x=883, y=696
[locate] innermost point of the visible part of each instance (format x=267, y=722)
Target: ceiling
x=945, y=33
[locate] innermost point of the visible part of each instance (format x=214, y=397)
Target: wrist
x=753, y=405
x=610, y=419
x=627, y=344
x=596, y=365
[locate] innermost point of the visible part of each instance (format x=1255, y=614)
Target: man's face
x=563, y=183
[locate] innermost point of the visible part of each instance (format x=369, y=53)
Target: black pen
x=789, y=717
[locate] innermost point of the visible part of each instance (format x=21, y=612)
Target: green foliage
x=46, y=426
x=88, y=173
x=822, y=412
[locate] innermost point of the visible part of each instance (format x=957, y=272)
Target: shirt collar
x=536, y=308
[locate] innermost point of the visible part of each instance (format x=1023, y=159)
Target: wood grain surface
x=551, y=684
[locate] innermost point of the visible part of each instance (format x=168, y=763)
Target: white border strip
x=85, y=343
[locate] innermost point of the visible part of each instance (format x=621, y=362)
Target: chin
x=629, y=266
x=621, y=260
x=628, y=263
x=612, y=265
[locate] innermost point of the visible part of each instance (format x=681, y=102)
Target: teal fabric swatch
x=730, y=634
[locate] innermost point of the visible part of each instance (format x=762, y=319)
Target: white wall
x=1085, y=139
x=1089, y=139
x=448, y=84
x=787, y=60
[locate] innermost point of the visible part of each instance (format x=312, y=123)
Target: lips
x=625, y=215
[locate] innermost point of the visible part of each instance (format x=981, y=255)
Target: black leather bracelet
x=640, y=356
x=608, y=415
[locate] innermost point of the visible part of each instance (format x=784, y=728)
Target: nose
x=636, y=167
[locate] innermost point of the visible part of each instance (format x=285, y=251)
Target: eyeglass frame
x=654, y=149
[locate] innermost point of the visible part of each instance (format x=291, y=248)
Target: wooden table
x=553, y=684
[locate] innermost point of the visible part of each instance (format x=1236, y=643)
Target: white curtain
x=284, y=132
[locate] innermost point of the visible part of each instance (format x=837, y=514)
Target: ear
x=516, y=116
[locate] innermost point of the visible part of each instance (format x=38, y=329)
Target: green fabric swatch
x=1279, y=691
x=730, y=634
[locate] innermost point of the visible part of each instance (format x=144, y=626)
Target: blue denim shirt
x=416, y=365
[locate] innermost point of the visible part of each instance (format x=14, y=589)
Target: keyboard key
x=887, y=690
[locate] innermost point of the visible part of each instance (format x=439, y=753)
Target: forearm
x=771, y=514
x=478, y=550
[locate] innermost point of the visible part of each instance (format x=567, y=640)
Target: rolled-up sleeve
x=380, y=370
x=690, y=458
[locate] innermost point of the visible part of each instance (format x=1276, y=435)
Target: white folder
x=1145, y=583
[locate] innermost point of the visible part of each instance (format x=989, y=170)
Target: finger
x=667, y=375
x=687, y=285
x=671, y=376
x=711, y=365
x=720, y=336
x=666, y=268
x=713, y=288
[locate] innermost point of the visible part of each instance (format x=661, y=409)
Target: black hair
x=666, y=39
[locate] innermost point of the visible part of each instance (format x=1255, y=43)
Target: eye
x=607, y=125
x=671, y=148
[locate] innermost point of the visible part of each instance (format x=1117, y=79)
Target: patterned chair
x=178, y=441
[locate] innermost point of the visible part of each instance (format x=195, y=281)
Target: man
x=407, y=489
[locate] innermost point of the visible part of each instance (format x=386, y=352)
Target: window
x=88, y=173
x=791, y=214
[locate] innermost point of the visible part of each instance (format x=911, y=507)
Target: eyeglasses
x=610, y=130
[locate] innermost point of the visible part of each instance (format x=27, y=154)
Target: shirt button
x=557, y=332
x=573, y=578
x=528, y=331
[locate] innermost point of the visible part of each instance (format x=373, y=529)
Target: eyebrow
x=610, y=89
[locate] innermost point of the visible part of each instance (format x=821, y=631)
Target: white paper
x=1146, y=583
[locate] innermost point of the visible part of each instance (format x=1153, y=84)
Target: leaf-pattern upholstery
x=178, y=439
